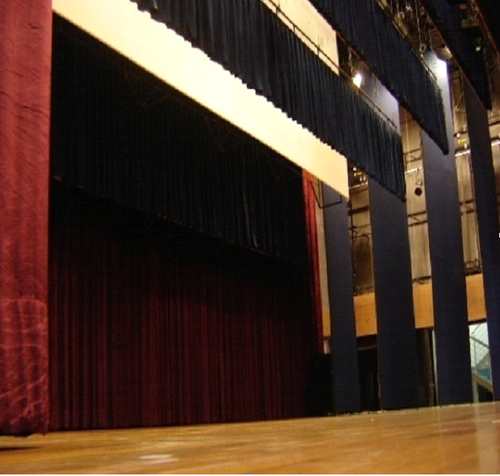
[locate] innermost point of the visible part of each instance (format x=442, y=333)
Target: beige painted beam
x=166, y=55
x=366, y=322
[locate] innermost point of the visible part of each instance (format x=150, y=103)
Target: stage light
x=357, y=79
x=419, y=183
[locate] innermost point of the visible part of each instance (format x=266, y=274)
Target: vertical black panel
x=397, y=341
x=397, y=349
x=449, y=297
x=346, y=390
x=487, y=219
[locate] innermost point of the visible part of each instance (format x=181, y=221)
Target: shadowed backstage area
x=456, y=439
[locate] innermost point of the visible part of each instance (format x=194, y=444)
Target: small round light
x=358, y=79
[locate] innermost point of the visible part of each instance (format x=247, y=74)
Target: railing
x=481, y=363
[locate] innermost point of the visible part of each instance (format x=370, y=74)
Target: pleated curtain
x=181, y=257
x=253, y=44
x=122, y=138
x=368, y=30
x=150, y=326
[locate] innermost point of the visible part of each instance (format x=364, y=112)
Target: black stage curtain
x=397, y=338
x=366, y=28
x=151, y=325
x=449, y=293
x=251, y=42
x=119, y=138
x=461, y=42
x=487, y=221
x=344, y=347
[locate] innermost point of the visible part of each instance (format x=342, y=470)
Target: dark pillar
x=397, y=347
x=397, y=340
x=346, y=390
x=454, y=378
x=487, y=220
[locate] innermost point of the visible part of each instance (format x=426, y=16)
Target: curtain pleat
x=134, y=144
x=366, y=28
x=313, y=277
x=255, y=46
x=154, y=326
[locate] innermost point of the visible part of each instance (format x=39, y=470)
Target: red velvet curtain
x=313, y=255
x=154, y=325
x=25, y=56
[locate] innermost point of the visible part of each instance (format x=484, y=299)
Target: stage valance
x=249, y=40
x=366, y=28
x=119, y=134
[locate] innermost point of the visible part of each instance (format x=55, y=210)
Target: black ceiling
x=490, y=10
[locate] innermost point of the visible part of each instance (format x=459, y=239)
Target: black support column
x=396, y=335
x=454, y=378
x=487, y=220
x=346, y=389
x=397, y=347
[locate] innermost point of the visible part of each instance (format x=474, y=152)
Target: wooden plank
x=422, y=300
x=366, y=315
x=475, y=298
x=456, y=439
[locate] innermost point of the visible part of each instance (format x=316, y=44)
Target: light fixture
x=357, y=79
x=419, y=183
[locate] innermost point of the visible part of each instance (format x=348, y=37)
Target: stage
x=460, y=439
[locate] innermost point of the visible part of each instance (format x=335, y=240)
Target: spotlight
x=357, y=79
x=419, y=184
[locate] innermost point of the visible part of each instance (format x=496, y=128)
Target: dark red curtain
x=154, y=325
x=25, y=54
x=313, y=252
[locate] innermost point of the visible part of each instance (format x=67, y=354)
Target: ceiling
x=491, y=15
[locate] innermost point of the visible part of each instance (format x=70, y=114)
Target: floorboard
x=455, y=439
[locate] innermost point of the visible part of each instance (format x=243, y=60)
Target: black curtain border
x=248, y=40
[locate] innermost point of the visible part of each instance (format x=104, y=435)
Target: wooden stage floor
x=460, y=439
